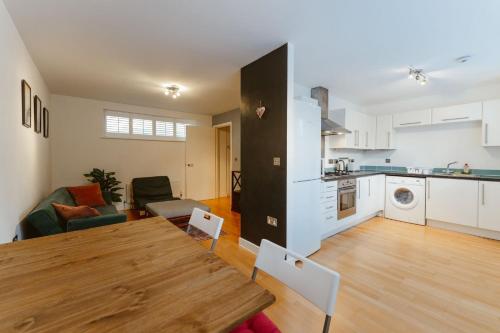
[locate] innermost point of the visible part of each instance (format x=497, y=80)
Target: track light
x=418, y=75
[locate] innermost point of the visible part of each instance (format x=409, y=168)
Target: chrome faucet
x=448, y=167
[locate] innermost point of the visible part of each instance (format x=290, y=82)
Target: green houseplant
x=108, y=182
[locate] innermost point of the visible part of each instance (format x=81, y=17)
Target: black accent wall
x=263, y=184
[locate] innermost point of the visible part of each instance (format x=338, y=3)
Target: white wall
x=24, y=154
x=436, y=146
x=432, y=146
x=78, y=144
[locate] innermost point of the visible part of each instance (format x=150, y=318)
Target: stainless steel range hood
x=328, y=126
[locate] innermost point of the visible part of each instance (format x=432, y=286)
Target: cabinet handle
x=411, y=123
x=329, y=207
x=388, y=139
x=359, y=189
x=369, y=187
x=357, y=138
x=457, y=118
x=428, y=189
x=486, y=133
x=482, y=190
x=366, y=140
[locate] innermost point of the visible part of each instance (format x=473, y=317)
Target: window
x=180, y=130
x=164, y=128
x=126, y=125
x=142, y=126
x=117, y=123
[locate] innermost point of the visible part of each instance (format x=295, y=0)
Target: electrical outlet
x=272, y=221
x=276, y=161
x=387, y=160
x=331, y=161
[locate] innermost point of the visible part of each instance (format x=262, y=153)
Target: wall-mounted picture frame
x=45, y=123
x=26, y=103
x=38, y=114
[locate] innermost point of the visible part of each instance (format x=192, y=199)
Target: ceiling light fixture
x=418, y=75
x=173, y=90
x=463, y=59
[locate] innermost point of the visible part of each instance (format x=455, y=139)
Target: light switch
x=276, y=161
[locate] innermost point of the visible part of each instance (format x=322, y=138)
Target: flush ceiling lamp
x=173, y=90
x=418, y=75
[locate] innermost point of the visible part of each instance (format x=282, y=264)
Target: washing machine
x=405, y=199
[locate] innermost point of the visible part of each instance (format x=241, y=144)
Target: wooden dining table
x=139, y=276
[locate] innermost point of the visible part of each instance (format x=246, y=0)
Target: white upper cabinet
x=412, y=118
x=385, y=133
x=491, y=123
x=362, y=127
x=458, y=113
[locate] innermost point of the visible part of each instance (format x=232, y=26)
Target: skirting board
x=464, y=229
x=249, y=246
x=348, y=225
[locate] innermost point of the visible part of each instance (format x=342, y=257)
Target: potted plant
x=108, y=183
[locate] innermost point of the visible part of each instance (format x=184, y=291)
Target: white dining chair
x=209, y=223
x=318, y=284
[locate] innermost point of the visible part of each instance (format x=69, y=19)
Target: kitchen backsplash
x=485, y=172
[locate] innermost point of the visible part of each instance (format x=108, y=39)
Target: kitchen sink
x=455, y=174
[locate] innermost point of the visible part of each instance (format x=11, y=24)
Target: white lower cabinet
x=489, y=206
x=452, y=200
x=370, y=195
x=328, y=204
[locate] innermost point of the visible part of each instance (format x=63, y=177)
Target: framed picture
x=26, y=103
x=45, y=123
x=38, y=114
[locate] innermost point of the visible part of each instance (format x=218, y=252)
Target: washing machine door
x=404, y=197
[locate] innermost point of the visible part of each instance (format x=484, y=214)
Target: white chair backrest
x=206, y=222
x=314, y=282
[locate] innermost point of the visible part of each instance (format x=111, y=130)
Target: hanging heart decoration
x=260, y=110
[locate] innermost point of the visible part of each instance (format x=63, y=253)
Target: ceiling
x=124, y=50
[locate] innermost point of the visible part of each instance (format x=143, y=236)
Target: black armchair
x=151, y=189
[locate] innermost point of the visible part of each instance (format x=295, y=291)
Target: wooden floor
x=395, y=277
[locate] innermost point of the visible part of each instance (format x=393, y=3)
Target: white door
x=452, y=200
x=489, y=205
x=200, y=163
x=223, y=162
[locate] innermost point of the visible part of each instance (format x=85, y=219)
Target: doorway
x=223, y=146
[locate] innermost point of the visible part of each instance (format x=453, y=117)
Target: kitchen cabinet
x=384, y=132
x=370, y=195
x=362, y=127
x=412, y=118
x=489, y=206
x=328, y=205
x=491, y=123
x=452, y=200
x=458, y=113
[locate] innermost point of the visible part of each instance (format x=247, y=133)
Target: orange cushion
x=71, y=212
x=88, y=195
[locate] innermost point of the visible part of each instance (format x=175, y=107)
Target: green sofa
x=44, y=220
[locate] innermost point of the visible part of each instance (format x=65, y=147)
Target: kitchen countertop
x=358, y=174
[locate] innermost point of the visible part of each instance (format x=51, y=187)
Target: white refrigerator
x=304, y=176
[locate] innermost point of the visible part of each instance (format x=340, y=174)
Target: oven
x=346, y=205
